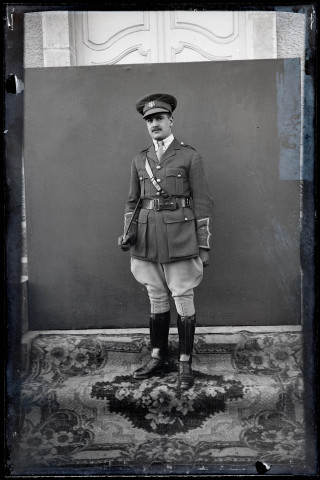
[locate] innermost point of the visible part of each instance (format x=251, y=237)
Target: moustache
x=156, y=130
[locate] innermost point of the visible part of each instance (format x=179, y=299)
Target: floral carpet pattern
x=157, y=406
x=81, y=411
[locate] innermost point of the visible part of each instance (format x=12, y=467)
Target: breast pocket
x=175, y=180
x=181, y=233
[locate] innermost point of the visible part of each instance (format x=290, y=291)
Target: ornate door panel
x=113, y=37
x=199, y=36
x=107, y=38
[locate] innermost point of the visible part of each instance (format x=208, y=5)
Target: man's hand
x=125, y=243
x=204, y=255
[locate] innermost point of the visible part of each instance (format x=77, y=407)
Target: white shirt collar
x=166, y=142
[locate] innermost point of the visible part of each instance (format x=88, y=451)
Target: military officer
x=168, y=218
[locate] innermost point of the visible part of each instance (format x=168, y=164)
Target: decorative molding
x=182, y=45
x=138, y=48
x=175, y=24
x=117, y=36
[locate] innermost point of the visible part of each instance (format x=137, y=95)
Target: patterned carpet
x=81, y=412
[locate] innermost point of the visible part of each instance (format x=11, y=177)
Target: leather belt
x=171, y=203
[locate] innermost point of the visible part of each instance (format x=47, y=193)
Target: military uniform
x=169, y=235
x=173, y=223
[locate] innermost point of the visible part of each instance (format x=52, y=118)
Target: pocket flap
x=143, y=216
x=180, y=215
x=175, y=172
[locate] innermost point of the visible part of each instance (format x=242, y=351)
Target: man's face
x=159, y=125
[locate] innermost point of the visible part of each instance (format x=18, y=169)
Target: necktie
x=160, y=150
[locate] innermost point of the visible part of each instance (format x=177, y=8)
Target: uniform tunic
x=166, y=236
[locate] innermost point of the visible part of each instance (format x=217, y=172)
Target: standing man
x=168, y=233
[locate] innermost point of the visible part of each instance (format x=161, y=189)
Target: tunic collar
x=174, y=145
x=166, y=142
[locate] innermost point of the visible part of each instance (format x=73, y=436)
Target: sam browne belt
x=171, y=203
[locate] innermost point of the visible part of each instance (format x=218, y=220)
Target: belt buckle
x=172, y=205
x=156, y=204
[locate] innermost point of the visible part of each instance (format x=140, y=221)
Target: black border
x=13, y=35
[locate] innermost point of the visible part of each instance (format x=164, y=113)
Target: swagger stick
x=132, y=217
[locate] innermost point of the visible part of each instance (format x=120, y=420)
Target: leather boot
x=159, y=325
x=186, y=329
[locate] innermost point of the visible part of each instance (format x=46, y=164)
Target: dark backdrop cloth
x=81, y=132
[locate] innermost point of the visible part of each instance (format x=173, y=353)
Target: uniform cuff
x=203, y=233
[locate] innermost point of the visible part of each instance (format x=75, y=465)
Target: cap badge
x=151, y=104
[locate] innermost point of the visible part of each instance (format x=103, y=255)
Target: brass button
x=158, y=180
x=185, y=218
x=141, y=178
x=158, y=193
x=158, y=167
x=179, y=175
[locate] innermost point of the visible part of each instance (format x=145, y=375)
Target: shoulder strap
x=153, y=180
